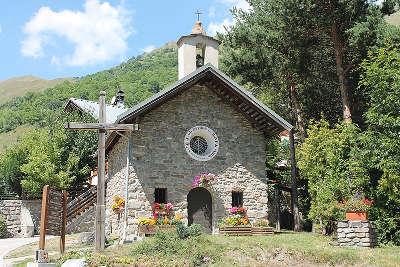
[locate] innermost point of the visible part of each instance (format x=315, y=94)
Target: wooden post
x=295, y=207
x=278, y=208
x=100, y=207
x=43, y=217
x=64, y=221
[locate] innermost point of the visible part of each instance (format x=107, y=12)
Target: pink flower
x=234, y=209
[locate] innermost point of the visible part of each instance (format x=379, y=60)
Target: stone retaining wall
x=357, y=233
x=83, y=222
x=11, y=210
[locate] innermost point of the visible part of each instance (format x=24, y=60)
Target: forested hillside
x=139, y=78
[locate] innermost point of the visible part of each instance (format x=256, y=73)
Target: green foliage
x=48, y=156
x=2, y=226
x=139, y=78
x=184, y=231
x=330, y=160
x=381, y=84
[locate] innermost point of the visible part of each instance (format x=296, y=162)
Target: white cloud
x=148, y=48
x=211, y=12
x=215, y=27
x=98, y=33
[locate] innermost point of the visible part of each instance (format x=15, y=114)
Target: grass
x=10, y=138
x=167, y=249
x=285, y=249
x=52, y=246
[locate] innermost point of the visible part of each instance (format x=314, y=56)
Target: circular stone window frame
x=212, y=142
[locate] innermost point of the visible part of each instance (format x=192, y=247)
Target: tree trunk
x=295, y=204
x=337, y=44
x=297, y=108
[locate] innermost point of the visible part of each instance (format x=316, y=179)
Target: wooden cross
x=102, y=127
x=198, y=14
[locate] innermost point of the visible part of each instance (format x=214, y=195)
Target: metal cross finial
x=198, y=14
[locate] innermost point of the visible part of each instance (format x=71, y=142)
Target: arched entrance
x=200, y=208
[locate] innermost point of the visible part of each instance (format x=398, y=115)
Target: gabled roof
x=92, y=108
x=259, y=115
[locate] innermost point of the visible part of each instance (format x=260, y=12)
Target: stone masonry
x=11, y=210
x=357, y=233
x=159, y=160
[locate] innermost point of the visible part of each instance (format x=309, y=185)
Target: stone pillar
x=357, y=233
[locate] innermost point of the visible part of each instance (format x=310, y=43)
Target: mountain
x=139, y=77
x=19, y=86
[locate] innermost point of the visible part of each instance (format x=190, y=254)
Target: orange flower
x=153, y=222
x=178, y=217
x=165, y=220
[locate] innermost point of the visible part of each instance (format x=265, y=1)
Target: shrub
x=184, y=232
x=2, y=226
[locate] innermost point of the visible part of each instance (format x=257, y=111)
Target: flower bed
x=151, y=229
x=204, y=179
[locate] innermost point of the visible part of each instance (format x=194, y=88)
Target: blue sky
x=52, y=39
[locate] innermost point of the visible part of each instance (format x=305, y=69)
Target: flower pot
x=147, y=229
x=116, y=211
x=356, y=215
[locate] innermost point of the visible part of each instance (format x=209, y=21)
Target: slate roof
x=230, y=90
x=92, y=108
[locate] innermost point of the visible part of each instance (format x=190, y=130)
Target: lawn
x=284, y=249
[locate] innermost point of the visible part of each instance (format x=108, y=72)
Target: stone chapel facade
x=204, y=123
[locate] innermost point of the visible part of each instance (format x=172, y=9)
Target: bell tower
x=196, y=50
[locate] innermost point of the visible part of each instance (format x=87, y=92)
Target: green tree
x=330, y=159
x=381, y=84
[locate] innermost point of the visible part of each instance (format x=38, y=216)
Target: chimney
x=118, y=100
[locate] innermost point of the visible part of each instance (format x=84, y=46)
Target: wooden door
x=200, y=208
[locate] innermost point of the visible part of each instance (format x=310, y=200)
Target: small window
x=160, y=195
x=237, y=199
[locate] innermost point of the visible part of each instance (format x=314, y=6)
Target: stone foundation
x=357, y=233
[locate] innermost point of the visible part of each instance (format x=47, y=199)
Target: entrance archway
x=200, y=208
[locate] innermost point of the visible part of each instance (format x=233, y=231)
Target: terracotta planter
x=356, y=215
x=116, y=211
x=235, y=230
x=262, y=231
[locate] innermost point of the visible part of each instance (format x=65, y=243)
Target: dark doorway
x=200, y=208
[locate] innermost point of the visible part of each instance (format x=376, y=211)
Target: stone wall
x=83, y=222
x=159, y=160
x=34, y=207
x=357, y=233
x=11, y=210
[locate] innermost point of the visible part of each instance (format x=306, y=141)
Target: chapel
x=203, y=123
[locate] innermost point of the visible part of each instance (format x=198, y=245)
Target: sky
x=52, y=39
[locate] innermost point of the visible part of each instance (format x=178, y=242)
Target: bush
x=184, y=232
x=2, y=226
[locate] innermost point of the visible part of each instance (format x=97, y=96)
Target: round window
x=201, y=143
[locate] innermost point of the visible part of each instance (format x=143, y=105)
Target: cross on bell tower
x=198, y=14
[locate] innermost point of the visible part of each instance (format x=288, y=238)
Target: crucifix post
x=100, y=238
x=102, y=127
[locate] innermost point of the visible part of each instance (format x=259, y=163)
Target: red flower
x=155, y=215
x=156, y=206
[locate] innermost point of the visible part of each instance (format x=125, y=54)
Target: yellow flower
x=121, y=202
x=244, y=221
x=178, y=217
x=153, y=221
x=165, y=220
x=116, y=198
